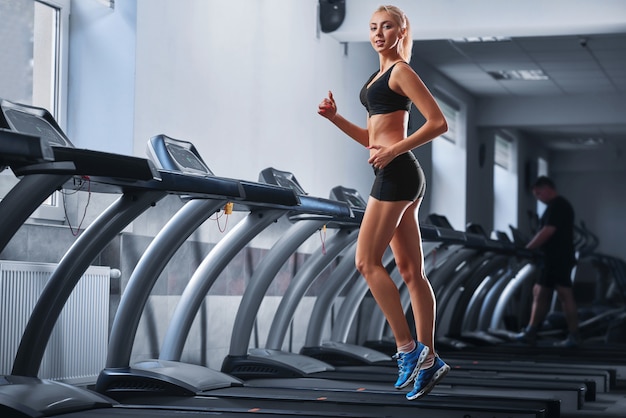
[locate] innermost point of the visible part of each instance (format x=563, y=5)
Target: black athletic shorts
x=401, y=179
x=553, y=275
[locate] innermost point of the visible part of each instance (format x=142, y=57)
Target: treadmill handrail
x=17, y=147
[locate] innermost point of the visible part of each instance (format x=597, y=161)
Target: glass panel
x=449, y=157
x=503, y=152
x=451, y=115
x=505, y=184
x=29, y=61
x=16, y=82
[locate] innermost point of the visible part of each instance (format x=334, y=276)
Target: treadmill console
x=281, y=178
x=32, y=121
x=176, y=155
x=350, y=196
x=439, y=221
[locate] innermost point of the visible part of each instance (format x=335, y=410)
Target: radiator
x=76, y=352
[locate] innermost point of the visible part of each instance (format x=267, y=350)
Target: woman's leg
x=377, y=229
x=407, y=249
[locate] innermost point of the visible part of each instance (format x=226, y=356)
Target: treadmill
x=42, y=392
x=120, y=384
x=336, y=350
x=21, y=393
x=29, y=396
x=574, y=392
x=156, y=257
x=591, y=378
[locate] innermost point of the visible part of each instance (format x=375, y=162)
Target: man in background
x=555, y=238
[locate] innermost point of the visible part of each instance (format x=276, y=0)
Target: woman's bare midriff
x=387, y=129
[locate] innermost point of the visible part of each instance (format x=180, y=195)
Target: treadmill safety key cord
x=323, y=239
x=79, y=185
x=228, y=210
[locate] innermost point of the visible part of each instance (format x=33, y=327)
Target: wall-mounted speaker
x=482, y=155
x=332, y=13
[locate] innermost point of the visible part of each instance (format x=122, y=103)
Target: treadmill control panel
x=281, y=178
x=350, y=196
x=29, y=123
x=176, y=155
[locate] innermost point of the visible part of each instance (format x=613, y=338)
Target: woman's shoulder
x=403, y=68
x=402, y=71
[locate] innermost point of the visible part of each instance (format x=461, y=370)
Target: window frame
x=62, y=71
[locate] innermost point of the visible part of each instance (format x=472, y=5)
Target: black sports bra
x=380, y=99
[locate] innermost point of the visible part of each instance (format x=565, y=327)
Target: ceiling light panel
x=524, y=75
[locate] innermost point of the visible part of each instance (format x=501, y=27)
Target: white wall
x=242, y=80
x=594, y=181
x=102, y=76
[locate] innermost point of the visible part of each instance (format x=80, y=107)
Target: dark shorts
x=401, y=179
x=556, y=275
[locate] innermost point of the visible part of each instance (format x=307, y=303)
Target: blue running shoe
x=428, y=378
x=409, y=364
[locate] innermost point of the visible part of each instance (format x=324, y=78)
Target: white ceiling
x=576, y=66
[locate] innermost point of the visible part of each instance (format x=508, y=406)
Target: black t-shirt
x=559, y=249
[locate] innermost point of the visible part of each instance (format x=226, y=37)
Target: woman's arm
x=328, y=109
x=541, y=237
x=405, y=81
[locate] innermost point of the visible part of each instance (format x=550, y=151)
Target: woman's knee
x=410, y=272
x=362, y=265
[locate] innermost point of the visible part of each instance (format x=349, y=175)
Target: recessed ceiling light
x=589, y=142
x=527, y=75
x=472, y=39
x=108, y=3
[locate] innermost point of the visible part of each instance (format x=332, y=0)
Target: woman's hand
x=327, y=107
x=381, y=156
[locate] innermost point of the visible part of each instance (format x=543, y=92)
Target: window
x=34, y=69
x=451, y=114
x=505, y=183
x=503, y=152
x=449, y=165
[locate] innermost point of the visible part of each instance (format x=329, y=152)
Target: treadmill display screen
x=30, y=124
x=287, y=180
x=350, y=196
x=186, y=159
x=355, y=201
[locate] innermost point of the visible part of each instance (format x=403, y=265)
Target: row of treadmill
x=483, y=288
